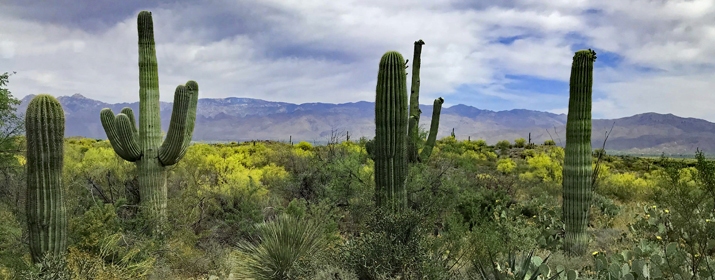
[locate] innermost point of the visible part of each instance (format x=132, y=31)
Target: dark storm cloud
x=88, y=15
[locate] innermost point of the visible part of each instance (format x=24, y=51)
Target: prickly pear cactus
x=46, y=213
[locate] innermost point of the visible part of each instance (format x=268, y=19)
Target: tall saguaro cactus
x=577, y=192
x=46, y=213
x=415, y=112
x=144, y=146
x=391, y=130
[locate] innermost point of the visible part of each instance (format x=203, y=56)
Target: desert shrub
x=545, y=167
x=89, y=229
x=285, y=246
x=305, y=146
x=681, y=218
x=334, y=273
x=118, y=257
x=503, y=146
x=476, y=206
x=506, y=165
x=520, y=143
x=625, y=187
x=549, y=143
x=49, y=268
x=11, y=243
x=393, y=246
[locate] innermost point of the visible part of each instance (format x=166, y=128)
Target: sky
x=653, y=55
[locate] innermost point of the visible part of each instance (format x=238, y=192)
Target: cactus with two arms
x=143, y=144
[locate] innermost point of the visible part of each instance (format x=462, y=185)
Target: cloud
x=651, y=53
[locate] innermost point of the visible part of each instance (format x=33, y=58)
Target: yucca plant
x=283, y=244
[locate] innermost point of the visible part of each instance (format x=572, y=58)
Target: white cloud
x=328, y=51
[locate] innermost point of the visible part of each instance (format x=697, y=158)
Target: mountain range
x=244, y=119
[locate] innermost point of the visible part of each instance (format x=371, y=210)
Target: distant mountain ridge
x=243, y=119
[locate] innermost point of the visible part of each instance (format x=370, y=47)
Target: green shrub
x=393, y=246
x=286, y=246
x=97, y=223
x=503, y=145
x=549, y=143
x=334, y=273
x=305, y=146
x=506, y=165
x=520, y=143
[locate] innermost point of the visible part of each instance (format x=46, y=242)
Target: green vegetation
x=144, y=146
x=233, y=207
x=270, y=210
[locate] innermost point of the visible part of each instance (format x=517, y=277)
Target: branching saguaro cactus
x=577, y=192
x=144, y=146
x=46, y=213
x=390, y=148
x=414, y=121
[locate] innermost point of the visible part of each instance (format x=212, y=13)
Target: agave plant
x=283, y=243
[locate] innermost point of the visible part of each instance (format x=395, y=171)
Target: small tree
x=503, y=145
x=549, y=143
x=520, y=143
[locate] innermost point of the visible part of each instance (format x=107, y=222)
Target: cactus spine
x=46, y=213
x=577, y=189
x=391, y=131
x=414, y=120
x=144, y=146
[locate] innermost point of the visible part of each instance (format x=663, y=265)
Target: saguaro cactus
x=415, y=112
x=144, y=146
x=391, y=130
x=46, y=213
x=577, y=190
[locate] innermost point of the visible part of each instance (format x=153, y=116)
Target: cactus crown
x=589, y=53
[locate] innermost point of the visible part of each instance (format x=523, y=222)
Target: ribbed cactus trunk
x=577, y=171
x=415, y=112
x=46, y=213
x=144, y=146
x=432, y=138
x=391, y=132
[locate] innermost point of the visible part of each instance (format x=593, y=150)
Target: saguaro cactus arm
x=432, y=138
x=130, y=114
x=120, y=133
x=193, y=87
x=176, y=138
